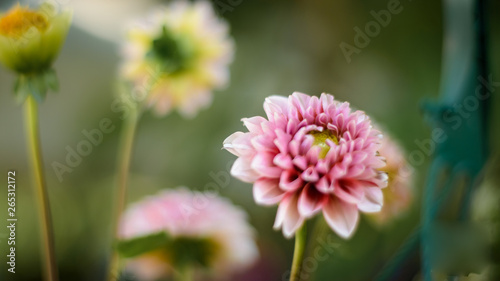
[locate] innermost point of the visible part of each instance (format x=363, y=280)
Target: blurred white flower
x=180, y=53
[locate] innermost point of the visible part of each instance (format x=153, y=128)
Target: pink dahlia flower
x=310, y=155
x=185, y=214
x=398, y=195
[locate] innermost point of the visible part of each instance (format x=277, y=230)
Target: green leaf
x=181, y=251
x=51, y=81
x=137, y=246
x=38, y=87
x=185, y=251
x=35, y=84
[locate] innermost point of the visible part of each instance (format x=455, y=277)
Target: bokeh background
x=282, y=46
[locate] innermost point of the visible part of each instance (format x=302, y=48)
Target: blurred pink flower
x=311, y=154
x=185, y=214
x=399, y=192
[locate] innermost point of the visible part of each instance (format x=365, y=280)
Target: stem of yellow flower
x=31, y=119
x=298, y=254
x=124, y=156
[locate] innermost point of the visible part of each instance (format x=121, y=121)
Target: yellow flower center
x=320, y=140
x=19, y=20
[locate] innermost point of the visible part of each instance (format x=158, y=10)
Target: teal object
x=459, y=135
x=461, y=119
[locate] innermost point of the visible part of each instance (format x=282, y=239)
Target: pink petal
x=283, y=161
x=274, y=104
x=253, y=124
x=294, y=147
x=322, y=119
x=347, y=136
x=355, y=171
x=367, y=174
x=359, y=156
x=267, y=192
x=322, y=166
x=306, y=144
x=241, y=170
x=313, y=154
x=290, y=180
x=332, y=128
x=346, y=162
x=326, y=100
x=239, y=144
x=314, y=106
x=264, y=143
x=288, y=217
x=310, y=175
x=280, y=120
x=349, y=191
x=300, y=162
x=340, y=121
x=282, y=140
x=263, y=164
x=351, y=128
x=311, y=201
x=300, y=101
x=292, y=126
x=382, y=179
x=375, y=162
x=378, y=179
x=341, y=216
x=268, y=129
x=338, y=171
x=372, y=201
x=325, y=185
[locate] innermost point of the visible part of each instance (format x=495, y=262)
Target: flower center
x=320, y=140
x=173, y=52
x=19, y=20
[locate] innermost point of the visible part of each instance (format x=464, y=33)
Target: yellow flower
x=30, y=40
x=178, y=56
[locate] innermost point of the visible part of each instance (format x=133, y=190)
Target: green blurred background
x=282, y=46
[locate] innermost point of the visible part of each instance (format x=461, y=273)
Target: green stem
x=319, y=230
x=31, y=119
x=124, y=156
x=298, y=254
